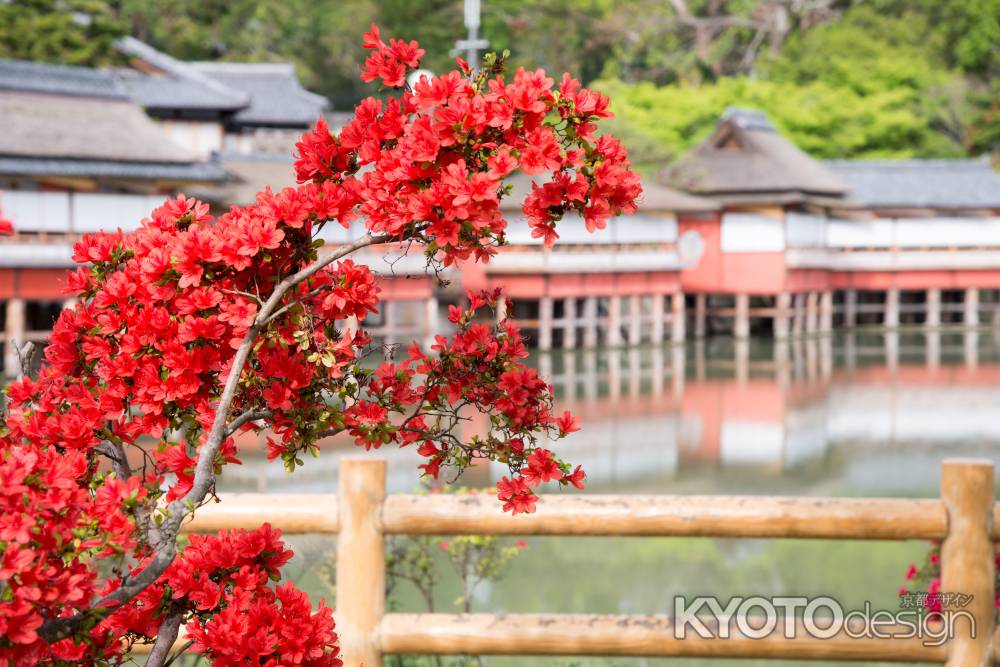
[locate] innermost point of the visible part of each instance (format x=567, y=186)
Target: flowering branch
x=192, y=330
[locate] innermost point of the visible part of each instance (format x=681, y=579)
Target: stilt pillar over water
x=970, y=349
x=933, y=318
x=971, y=310
x=782, y=315
x=742, y=360
x=677, y=323
x=502, y=305
x=569, y=323
x=614, y=321
x=826, y=311
x=741, y=325
x=812, y=312
x=634, y=319
x=658, y=302
x=677, y=371
x=545, y=323
x=590, y=322
x=389, y=319
x=430, y=320
x=700, y=315
x=850, y=307
x=891, y=318
x=933, y=352
x=799, y=313
x=13, y=336
x=826, y=358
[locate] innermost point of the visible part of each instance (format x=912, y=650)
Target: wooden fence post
x=360, y=560
x=967, y=565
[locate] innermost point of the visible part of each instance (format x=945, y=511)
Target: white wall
x=913, y=233
x=198, y=136
x=36, y=211
x=66, y=212
x=747, y=232
x=877, y=233
x=93, y=212
x=803, y=230
x=629, y=229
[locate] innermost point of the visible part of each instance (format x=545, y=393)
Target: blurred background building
x=743, y=234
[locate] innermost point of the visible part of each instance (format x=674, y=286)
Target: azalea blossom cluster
x=924, y=580
x=193, y=329
x=221, y=584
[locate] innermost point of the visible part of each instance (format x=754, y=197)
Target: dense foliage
x=856, y=78
x=191, y=330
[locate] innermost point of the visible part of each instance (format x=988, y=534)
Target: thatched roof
x=656, y=197
x=934, y=184
x=78, y=122
x=40, y=125
x=747, y=155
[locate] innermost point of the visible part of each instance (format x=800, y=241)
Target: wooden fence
x=964, y=518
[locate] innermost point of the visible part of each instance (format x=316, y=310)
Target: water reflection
x=857, y=414
x=861, y=414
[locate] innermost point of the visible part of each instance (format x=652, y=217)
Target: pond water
x=864, y=414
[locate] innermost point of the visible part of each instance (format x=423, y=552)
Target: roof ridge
x=284, y=66
x=210, y=67
x=748, y=119
x=89, y=79
x=142, y=50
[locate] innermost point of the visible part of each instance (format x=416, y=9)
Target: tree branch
x=248, y=416
x=25, y=355
x=204, y=476
x=165, y=639
x=115, y=453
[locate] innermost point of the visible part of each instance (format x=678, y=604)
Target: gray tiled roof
x=260, y=93
x=195, y=171
x=920, y=183
x=276, y=96
x=60, y=79
x=177, y=85
x=168, y=91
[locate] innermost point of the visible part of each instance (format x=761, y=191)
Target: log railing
x=964, y=518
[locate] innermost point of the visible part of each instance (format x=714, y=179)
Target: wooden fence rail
x=965, y=519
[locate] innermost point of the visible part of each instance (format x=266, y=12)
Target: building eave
x=195, y=172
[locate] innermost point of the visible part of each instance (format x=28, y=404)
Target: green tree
x=823, y=120
x=72, y=32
